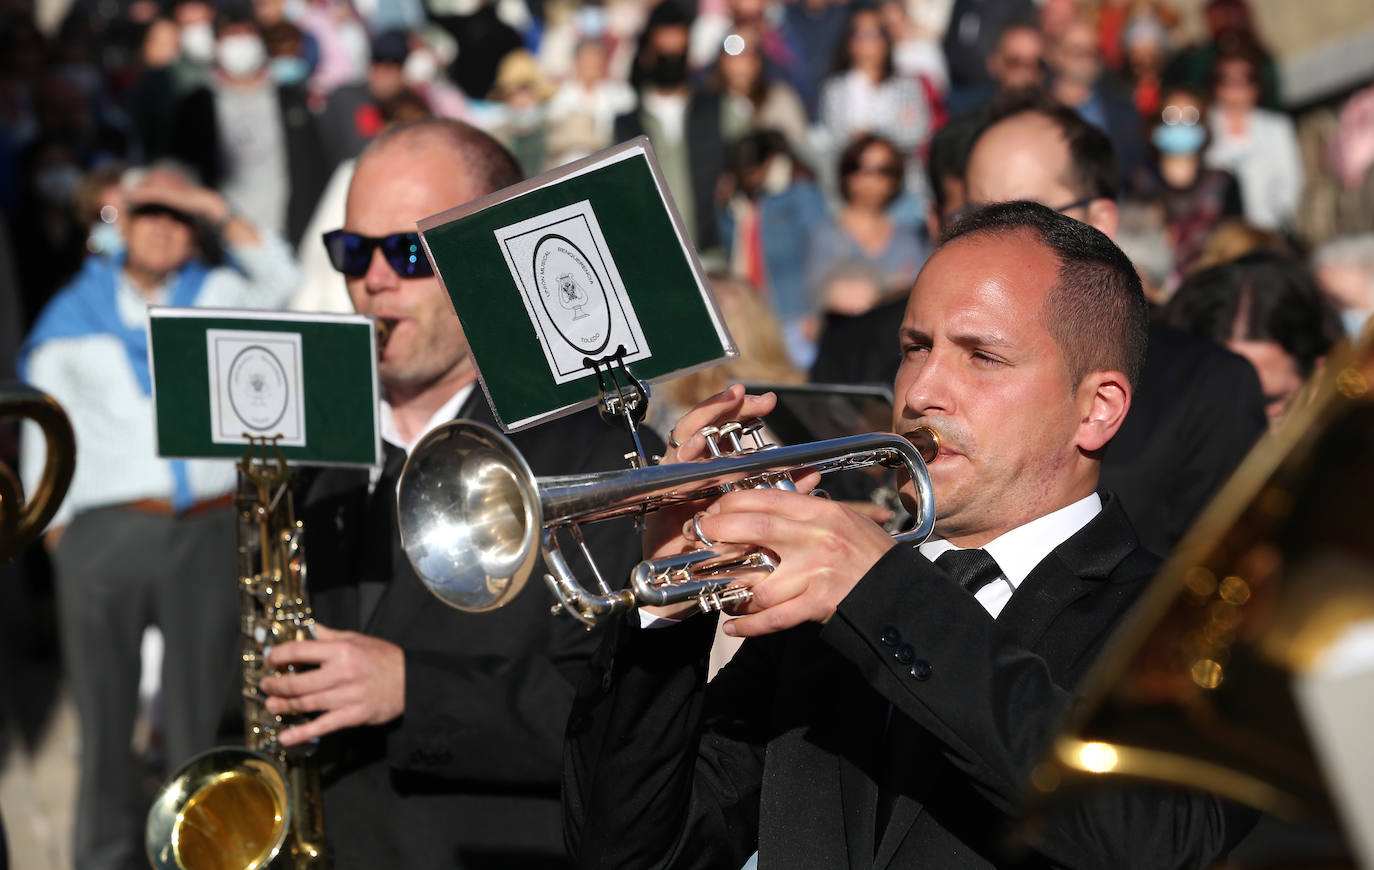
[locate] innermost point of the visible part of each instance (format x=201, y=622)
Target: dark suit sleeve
x=993, y=706
x=497, y=717
x=488, y=694
x=662, y=771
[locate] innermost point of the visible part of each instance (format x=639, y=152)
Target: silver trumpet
x=473, y=516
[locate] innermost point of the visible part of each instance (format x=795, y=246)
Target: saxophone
x=243, y=808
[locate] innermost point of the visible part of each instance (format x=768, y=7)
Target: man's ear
x=1103, y=215
x=1103, y=400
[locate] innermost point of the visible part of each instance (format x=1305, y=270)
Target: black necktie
x=379, y=537
x=973, y=569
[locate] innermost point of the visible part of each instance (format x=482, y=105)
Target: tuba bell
x=22, y=521
x=1222, y=678
x=473, y=517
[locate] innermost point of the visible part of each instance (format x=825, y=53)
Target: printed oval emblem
x=257, y=387
x=572, y=294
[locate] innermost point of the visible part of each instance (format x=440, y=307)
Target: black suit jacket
x=1195, y=415
x=784, y=748
x=468, y=776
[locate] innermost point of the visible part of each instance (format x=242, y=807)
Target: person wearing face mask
x=44, y=224
x=140, y=539
x=248, y=136
x=765, y=224
x=683, y=122
x=1194, y=197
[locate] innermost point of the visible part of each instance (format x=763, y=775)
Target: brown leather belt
x=163, y=507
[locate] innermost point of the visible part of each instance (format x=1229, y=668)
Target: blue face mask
x=290, y=70
x=1179, y=138
x=1353, y=321
x=105, y=239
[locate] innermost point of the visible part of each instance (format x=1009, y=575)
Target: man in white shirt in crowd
x=141, y=540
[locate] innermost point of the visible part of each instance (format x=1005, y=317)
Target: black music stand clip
x=623, y=400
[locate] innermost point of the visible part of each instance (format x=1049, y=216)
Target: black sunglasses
x=157, y=209
x=351, y=253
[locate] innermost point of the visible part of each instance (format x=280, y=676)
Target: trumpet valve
x=724, y=598
x=753, y=430
x=731, y=433
x=712, y=436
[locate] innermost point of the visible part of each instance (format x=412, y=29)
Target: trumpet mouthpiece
x=926, y=441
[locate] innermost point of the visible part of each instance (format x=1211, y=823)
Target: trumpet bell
x=226, y=809
x=468, y=511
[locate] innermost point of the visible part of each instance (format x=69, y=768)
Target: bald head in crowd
x=1032, y=150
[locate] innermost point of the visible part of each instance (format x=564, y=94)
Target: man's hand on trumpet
x=823, y=547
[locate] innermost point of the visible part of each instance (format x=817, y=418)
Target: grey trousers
x=117, y=571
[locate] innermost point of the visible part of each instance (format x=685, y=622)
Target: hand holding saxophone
x=359, y=680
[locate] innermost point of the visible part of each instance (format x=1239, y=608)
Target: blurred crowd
x=797, y=137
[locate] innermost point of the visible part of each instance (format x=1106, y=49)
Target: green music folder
x=222, y=376
x=557, y=274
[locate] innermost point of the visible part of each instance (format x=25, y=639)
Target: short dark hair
x=1096, y=309
x=843, y=60
x=489, y=161
x=236, y=14
x=1092, y=159
x=949, y=148
x=851, y=158
x=1262, y=296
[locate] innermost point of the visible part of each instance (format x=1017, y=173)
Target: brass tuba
x=1208, y=684
x=21, y=522
x=473, y=517
x=235, y=808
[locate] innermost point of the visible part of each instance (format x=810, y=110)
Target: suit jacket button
x=890, y=636
x=920, y=669
x=905, y=654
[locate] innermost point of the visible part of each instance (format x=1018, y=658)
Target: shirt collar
x=1018, y=551
x=446, y=412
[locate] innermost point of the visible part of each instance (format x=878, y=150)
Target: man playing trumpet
x=889, y=704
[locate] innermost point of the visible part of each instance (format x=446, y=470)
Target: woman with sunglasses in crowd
x=862, y=255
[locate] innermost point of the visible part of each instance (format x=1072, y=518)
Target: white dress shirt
x=1018, y=551
x=392, y=436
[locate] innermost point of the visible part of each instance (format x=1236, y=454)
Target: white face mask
x=198, y=42
x=421, y=67
x=240, y=55
x=778, y=176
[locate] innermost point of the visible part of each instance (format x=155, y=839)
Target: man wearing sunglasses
x=141, y=539
x=440, y=731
